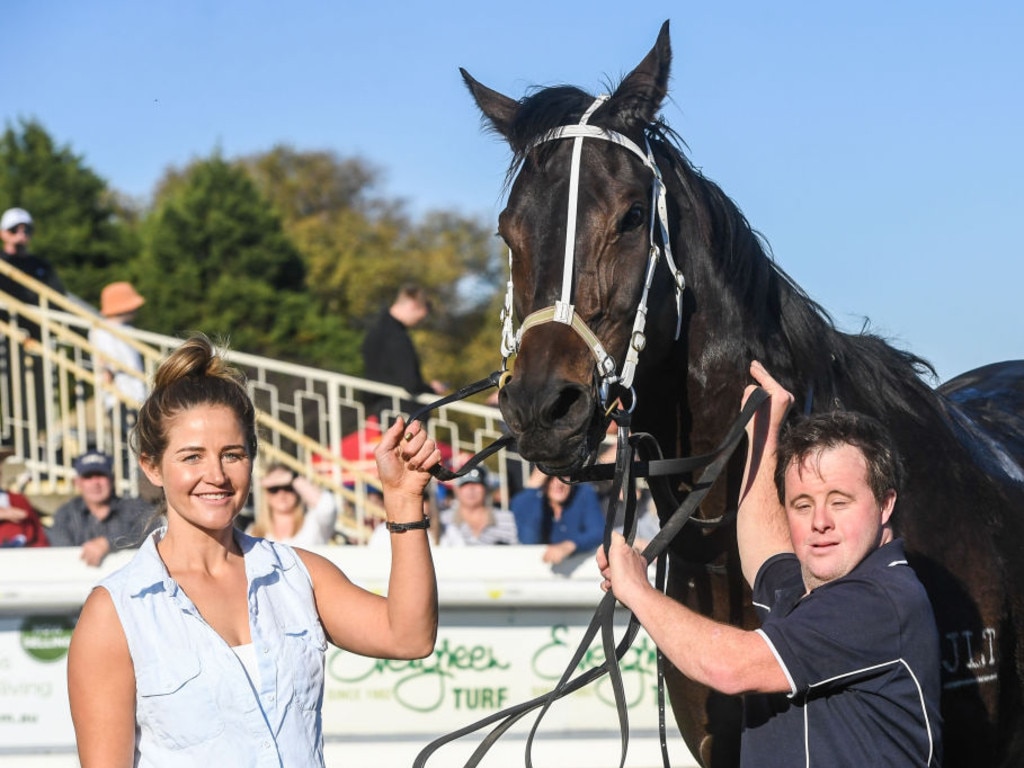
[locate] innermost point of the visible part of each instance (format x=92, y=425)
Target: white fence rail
x=51, y=409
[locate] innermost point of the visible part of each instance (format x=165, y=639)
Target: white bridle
x=563, y=310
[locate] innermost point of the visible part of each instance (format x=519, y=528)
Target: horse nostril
x=563, y=403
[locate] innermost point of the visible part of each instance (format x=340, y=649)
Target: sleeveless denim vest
x=195, y=704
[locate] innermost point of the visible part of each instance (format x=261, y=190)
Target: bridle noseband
x=563, y=311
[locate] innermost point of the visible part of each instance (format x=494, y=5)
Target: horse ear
x=499, y=110
x=639, y=96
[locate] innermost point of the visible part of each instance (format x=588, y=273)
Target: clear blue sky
x=876, y=145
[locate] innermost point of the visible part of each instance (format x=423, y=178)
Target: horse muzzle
x=554, y=422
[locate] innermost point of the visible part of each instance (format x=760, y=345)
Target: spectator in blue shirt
x=568, y=518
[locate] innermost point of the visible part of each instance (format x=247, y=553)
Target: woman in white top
x=154, y=672
x=294, y=510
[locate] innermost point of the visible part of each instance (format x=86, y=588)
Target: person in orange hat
x=115, y=358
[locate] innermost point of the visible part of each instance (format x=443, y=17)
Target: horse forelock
x=545, y=109
x=541, y=111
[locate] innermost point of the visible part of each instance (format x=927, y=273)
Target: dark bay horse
x=606, y=215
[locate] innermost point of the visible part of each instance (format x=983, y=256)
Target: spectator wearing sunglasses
x=16, y=230
x=294, y=510
x=98, y=520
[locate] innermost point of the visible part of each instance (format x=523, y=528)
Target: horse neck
x=740, y=306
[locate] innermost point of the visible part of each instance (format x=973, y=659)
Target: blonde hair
x=262, y=525
x=195, y=374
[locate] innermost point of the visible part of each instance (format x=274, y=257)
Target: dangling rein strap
x=441, y=473
x=603, y=619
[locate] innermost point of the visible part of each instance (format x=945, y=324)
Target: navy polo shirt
x=861, y=654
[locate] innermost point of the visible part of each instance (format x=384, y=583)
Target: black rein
x=624, y=473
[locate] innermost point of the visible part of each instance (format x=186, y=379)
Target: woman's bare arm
x=101, y=686
x=404, y=624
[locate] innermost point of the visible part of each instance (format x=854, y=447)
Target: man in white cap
x=115, y=357
x=16, y=229
x=473, y=519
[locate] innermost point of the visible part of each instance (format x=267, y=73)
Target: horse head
x=584, y=234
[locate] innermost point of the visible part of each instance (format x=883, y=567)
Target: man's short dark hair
x=810, y=435
x=414, y=292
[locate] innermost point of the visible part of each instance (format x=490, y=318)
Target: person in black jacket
x=389, y=355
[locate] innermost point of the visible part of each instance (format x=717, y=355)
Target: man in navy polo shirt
x=844, y=670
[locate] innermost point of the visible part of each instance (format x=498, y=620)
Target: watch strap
x=403, y=527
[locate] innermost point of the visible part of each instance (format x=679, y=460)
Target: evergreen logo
x=46, y=638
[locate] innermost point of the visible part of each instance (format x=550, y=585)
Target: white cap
x=13, y=217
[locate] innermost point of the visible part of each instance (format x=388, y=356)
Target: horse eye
x=634, y=218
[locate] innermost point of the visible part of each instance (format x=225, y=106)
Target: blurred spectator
x=118, y=304
x=568, y=518
x=20, y=525
x=16, y=229
x=473, y=519
x=294, y=510
x=98, y=520
x=389, y=355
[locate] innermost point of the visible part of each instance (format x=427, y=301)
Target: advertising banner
x=504, y=638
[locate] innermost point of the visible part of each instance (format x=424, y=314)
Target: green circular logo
x=46, y=638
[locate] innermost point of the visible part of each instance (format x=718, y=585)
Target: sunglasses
x=279, y=488
x=26, y=228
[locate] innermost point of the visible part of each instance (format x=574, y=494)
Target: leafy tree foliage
x=215, y=258
x=286, y=253
x=460, y=258
x=359, y=247
x=80, y=224
x=301, y=185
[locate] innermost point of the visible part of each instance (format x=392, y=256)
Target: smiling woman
x=193, y=621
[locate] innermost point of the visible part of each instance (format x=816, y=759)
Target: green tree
x=461, y=267
x=216, y=259
x=358, y=247
x=302, y=185
x=83, y=228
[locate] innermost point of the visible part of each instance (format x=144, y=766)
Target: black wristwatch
x=419, y=525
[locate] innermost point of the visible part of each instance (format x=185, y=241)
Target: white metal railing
x=313, y=420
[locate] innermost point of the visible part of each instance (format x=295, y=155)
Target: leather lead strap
x=603, y=619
